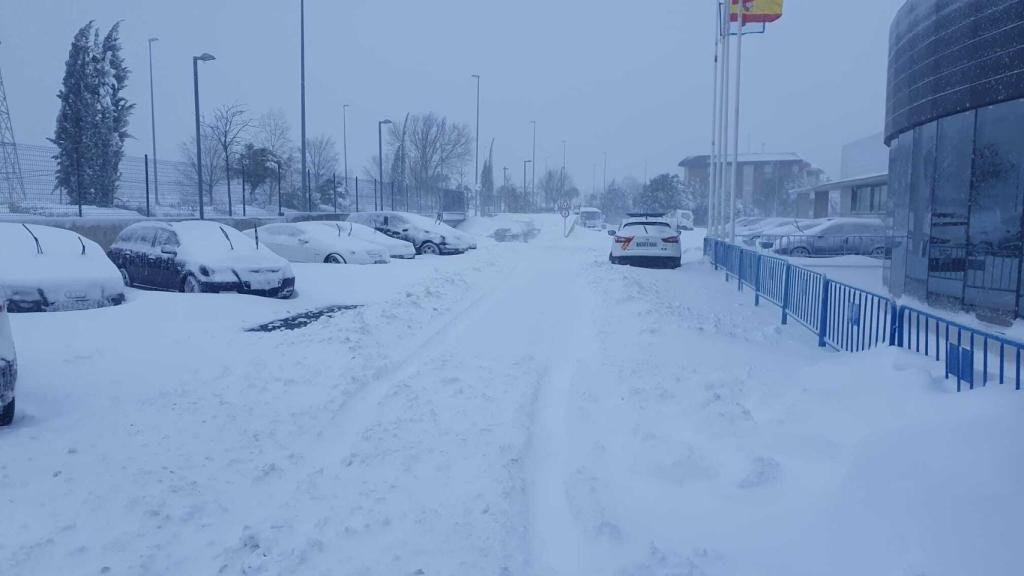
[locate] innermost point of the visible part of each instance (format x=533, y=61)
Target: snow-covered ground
x=524, y=409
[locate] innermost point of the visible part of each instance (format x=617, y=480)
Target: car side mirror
x=611, y=232
x=303, y=241
x=169, y=250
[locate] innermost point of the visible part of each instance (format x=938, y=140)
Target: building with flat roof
x=765, y=180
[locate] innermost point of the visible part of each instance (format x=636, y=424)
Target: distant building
x=765, y=179
x=862, y=188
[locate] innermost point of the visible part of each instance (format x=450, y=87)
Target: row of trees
x=663, y=193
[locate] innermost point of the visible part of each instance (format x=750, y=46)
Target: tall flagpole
x=723, y=124
x=736, y=125
x=712, y=159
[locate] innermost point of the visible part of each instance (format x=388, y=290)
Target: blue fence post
x=714, y=253
x=823, y=315
x=757, y=280
x=785, y=294
x=895, y=323
x=739, y=270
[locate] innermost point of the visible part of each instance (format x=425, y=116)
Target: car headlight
x=204, y=270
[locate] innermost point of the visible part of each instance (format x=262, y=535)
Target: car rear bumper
x=648, y=261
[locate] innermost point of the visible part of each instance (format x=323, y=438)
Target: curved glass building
x=955, y=131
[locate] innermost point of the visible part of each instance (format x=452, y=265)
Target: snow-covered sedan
x=311, y=242
x=46, y=269
x=199, y=256
x=396, y=248
x=8, y=368
x=427, y=235
x=646, y=241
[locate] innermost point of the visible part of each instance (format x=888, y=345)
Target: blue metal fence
x=847, y=318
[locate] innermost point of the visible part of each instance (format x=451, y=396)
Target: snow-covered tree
x=92, y=124
x=663, y=193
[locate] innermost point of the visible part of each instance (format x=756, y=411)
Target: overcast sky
x=632, y=79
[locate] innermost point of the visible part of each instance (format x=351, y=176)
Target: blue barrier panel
x=748, y=265
x=961, y=347
x=805, y=295
x=857, y=319
x=771, y=279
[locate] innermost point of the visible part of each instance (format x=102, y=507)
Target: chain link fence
x=169, y=189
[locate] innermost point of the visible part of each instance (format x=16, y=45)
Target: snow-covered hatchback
x=8, y=368
x=47, y=269
x=645, y=241
x=199, y=256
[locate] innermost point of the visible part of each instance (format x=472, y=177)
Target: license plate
x=263, y=282
x=645, y=244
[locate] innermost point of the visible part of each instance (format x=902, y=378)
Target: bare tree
x=227, y=127
x=322, y=156
x=436, y=150
x=213, y=162
x=272, y=132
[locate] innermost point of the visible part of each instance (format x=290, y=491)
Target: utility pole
x=12, y=184
x=533, y=166
x=476, y=169
x=205, y=57
x=152, y=123
x=604, y=188
x=302, y=66
x=344, y=141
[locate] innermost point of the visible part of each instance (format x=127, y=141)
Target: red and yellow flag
x=758, y=11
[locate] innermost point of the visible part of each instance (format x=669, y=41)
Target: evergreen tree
x=92, y=124
x=76, y=120
x=487, y=183
x=662, y=194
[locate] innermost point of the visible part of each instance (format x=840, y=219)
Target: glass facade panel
x=899, y=178
x=947, y=259
x=994, y=229
x=922, y=177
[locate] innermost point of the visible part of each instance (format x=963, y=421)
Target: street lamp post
x=152, y=121
x=525, y=162
x=380, y=156
x=476, y=170
x=533, y=167
x=302, y=73
x=562, y=183
x=344, y=141
x=204, y=57
x=604, y=177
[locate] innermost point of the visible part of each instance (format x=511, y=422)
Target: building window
x=994, y=228
x=922, y=177
x=947, y=258
x=899, y=176
x=869, y=199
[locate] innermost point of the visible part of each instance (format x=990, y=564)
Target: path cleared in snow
x=525, y=409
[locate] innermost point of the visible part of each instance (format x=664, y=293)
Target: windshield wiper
x=82, y=242
x=39, y=247
x=226, y=237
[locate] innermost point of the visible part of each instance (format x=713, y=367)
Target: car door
x=284, y=240
x=141, y=256
x=164, y=272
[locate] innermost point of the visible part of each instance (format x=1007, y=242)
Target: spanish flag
x=757, y=11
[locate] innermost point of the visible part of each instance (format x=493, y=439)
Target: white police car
x=645, y=240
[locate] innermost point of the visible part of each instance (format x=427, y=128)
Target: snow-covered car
x=590, y=217
x=646, y=241
x=46, y=269
x=428, y=236
x=683, y=219
x=199, y=256
x=838, y=237
x=312, y=242
x=8, y=368
x=396, y=248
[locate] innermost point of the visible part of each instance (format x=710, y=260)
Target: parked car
x=766, y=238
x=199, y=256
x=683, y=219
x=428, y=236
x=313, y=242
x=590, y=217
x=396, y=248
x=646, y=241
x=46, y=269
x=8, y=368
x=838, y=237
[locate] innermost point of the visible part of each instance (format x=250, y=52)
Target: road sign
x=563, y=205
x=565, y=213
